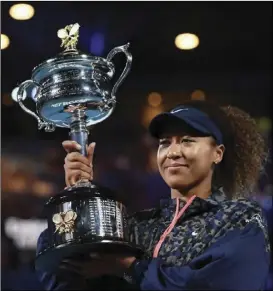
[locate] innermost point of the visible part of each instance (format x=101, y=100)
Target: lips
x=176, y=165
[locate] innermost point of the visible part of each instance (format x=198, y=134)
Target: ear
x=219, y=153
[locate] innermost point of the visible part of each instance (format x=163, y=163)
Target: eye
x=187, y=140
x=163, y=142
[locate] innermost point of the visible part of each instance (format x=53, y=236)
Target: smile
x=176, y=165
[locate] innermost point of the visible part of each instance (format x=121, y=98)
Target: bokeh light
x=97, y=44
x=154, y=99
x=198, y=95
x=4, y=41
x=186, y=41
x=265, y=124
x=21, y=11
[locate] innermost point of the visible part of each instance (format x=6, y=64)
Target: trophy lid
x=71, y=57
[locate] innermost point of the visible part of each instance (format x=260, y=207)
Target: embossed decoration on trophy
x=74, y=91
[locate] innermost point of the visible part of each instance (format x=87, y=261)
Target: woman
x=207, y=235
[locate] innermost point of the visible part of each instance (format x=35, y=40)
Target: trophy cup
x=74, y=91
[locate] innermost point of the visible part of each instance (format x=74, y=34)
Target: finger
x=75, y=175
x=70, y=146
x=82, y=179
x=67, y=183
x=76, y=157
x=79, y=166
x=90, y=152
x=70, y=179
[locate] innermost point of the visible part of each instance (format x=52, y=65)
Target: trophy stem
x=78, y=130
x=79, y=133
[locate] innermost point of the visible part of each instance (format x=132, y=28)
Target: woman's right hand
x=76, y=165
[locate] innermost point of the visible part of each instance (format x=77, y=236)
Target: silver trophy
x=73, y=90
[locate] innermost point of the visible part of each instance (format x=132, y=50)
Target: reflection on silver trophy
x=73, y=90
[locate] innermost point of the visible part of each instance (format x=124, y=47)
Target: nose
x=174, y=152
x=174, y=155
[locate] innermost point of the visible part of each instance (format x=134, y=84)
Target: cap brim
x=159, y=123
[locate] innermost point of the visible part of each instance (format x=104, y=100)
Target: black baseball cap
x=190, y=116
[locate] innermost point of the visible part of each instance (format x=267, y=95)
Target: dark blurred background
x=231, y=65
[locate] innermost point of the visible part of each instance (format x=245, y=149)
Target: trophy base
x=51, y=258
x=98, y=225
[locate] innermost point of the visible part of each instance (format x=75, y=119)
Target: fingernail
x=78, y=146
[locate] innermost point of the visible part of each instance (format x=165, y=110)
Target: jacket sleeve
x=237, y=261
x=63, y=280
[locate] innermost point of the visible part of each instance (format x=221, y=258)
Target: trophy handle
x=22, y=88
x=112, y=53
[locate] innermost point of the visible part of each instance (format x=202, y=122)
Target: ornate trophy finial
x=69, y=36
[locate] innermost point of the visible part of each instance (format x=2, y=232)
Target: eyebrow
x=180, y=135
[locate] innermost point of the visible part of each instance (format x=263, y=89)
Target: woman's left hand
x=99, y=265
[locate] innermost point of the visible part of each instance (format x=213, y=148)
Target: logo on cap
x=177, y=110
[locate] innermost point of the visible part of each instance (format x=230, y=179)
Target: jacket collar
x=199, y=205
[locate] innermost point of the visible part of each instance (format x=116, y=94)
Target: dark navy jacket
x=217, y=244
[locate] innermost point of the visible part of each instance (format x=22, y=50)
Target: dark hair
x=246, y=152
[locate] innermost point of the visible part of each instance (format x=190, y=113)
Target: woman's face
x=185, y=159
